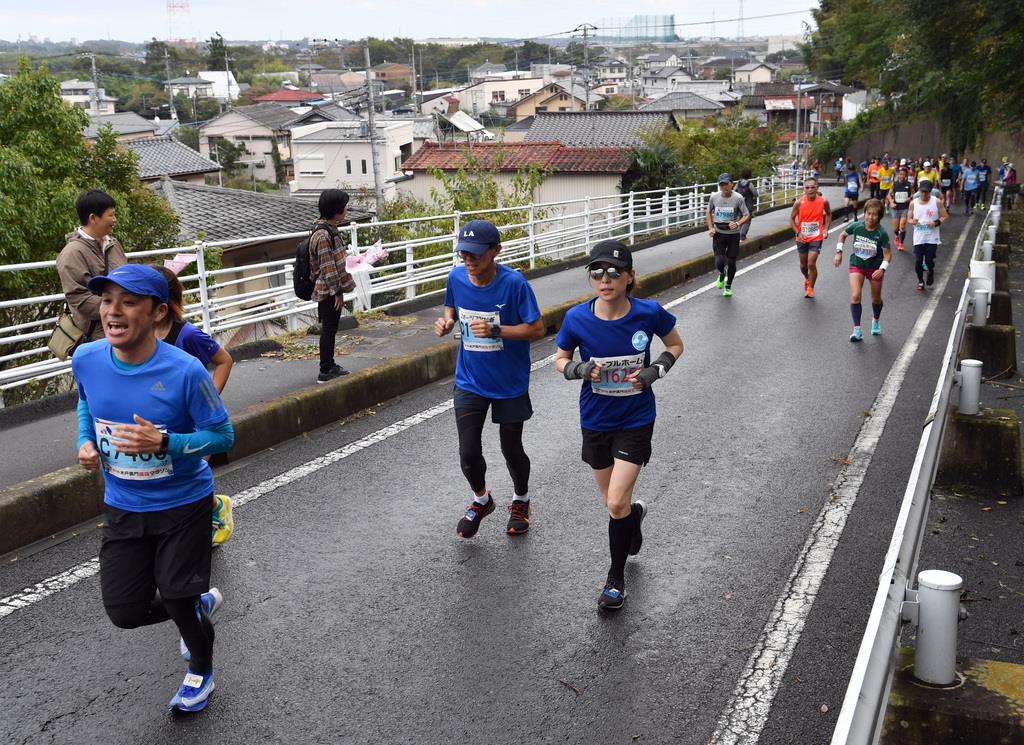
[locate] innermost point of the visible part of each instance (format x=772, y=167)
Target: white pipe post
x=980, y=317
x=586, y=226
x=664, y=210
x=204, y=294
x=632, y=219
x=410, y=273
x=986, y=251
x=992, y=233
x=531, y=236
x=935, y=653
x=970, y=387
x=455, y=239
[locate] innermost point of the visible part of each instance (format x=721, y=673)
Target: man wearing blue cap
x=498, y=317
x=147, y=414
x=727, y=212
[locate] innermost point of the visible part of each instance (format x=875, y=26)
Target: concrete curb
x=43, y=506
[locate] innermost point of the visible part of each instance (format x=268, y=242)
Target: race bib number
x=982, y=177
x=808, y=229
x=141, y=467
x=946, y=182
x=474, y=343
x=864, y=247
x=722, y=215
x=925, y=231
x=615, y=372
x=901, y=197
x=852, y=185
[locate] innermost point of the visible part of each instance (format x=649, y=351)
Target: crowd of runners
x=150, y=413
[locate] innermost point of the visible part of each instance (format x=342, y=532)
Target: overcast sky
x=140, y=20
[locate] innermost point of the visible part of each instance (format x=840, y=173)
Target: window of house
x=563, y=108
x=497, y=95
x=523, y=92
x=348, y=166
x=398, y=163
x=563, y=97
x=311, y=165
x=541, y=109
x=364, y=165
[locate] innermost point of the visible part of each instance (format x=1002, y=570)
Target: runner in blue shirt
x=147, y=414
x=957, y=169
x=984, y=179
x=613, y=332
x=852, y=193
x=498, y=317
x=969, y=184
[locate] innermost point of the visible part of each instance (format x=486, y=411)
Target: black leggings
x=924, y=254
x=188, y=615
x=470, y=424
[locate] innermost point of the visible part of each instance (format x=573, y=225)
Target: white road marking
x=746, y=714
x=744, y=270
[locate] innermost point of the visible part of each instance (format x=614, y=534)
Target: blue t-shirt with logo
x=852, y=184
x=492, y=368
x=984, y=174
x=173, y=391
x=623, y=345
x=970, y=179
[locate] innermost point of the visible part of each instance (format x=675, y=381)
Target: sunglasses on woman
x=611, y=271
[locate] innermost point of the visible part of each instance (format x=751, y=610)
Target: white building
x=755, y=72
x=613, y=70
x=84, y=95
x=258, y=128
x=225, y=87
x=192, y=87
x=338, y=155
x=663, y=80
x=476, y=99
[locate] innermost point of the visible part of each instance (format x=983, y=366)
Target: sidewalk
x=45, y=444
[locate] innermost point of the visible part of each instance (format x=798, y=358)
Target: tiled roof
x=517, y=155
x=286, y=94
x=664, y=72
x=188, y=80
x=165, y=156
x=225, y=214
x=332, y=112
x=682, y=101
x=123, y=123
x=489, y=67
x=272, y=115
x=773, y=89
x=595, y=128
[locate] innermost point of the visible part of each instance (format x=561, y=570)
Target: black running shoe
x=638, y=535
x=613, y=594
x=518, y=517
x=470, y=523
x=335, y=372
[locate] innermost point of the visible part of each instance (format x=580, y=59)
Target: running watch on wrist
x=496, y=331
x=165, y=442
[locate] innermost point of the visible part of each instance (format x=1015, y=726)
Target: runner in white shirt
x=927, y=213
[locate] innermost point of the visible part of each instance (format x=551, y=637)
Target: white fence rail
x=867, y=695
x=416, y=265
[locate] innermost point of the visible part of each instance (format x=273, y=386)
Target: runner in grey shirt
x=727, y=212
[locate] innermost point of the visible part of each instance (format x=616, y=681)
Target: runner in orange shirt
x=810, y=218
x=873, y=179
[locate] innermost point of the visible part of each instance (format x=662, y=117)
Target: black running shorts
x=503, y=410
x=600, y=449
x=166, y=550
x=726, y=243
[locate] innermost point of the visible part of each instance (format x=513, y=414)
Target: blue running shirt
x=173, y=391
x=492, y=368
x=624, y=345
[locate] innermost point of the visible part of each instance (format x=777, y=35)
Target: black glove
x=657, y=370
x=578, y=370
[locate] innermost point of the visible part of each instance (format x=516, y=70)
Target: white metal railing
x=418, y=261
x=863, y=714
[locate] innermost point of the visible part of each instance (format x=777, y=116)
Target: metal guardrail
x=863, y=713
x=416, y=263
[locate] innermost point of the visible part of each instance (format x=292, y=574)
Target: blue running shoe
x=876, y=328
x=857, y=334
x=613, y=594
x=194, y=692
x=211, y=602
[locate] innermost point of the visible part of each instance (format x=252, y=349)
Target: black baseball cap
x=611, y=252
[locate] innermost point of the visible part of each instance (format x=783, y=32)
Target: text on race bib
x=474, y=343
x=810, y=228
x=141, y=467
x=722, y=215
x=864, y=247
x=982, y=177
x=946, y=182
x=615, y=372
x=852, y=185
x=901, y=197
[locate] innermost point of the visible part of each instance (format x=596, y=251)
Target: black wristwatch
x=496, y=331
x=165, y=443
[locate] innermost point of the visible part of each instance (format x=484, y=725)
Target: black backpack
x=743, y=187
x=302, y=281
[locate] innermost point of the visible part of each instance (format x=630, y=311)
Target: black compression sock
x=620, y=537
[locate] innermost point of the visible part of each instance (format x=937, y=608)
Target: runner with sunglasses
x=613, y=332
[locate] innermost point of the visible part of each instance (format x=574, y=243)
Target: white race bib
x=474, y=343
x=614, y=374
x=142, y=467
x=946, y=182
x=864, y=247
x=900, y=197
x=982, y=176
x=722, y=215
x=810, y=228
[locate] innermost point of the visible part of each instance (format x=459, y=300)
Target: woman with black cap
x=613, y=332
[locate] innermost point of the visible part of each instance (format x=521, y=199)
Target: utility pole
x=797, y=81
x=378, y=191
x=227, y=75
x=95, y=87
x=413, y=55
x=586, y=28
x=170, y=93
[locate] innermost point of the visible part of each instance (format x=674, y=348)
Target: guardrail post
x=410, y=271
x=664, y=210
x=204, y=294
x=938, y=598
x=970, y=387
x=455, y=238
x=530, y=236
x=980, y=316
x=586, y=226
x=631, y=217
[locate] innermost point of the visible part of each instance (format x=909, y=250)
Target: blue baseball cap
x=725, y=178
x=135, y=278
x=476, y=236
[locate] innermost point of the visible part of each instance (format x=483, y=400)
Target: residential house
x=707, y=69
x=613, y=70
x=486, y=71
x=330, y=155
x=717, y=90
x=326, y=112
x=258, y=127
x=127, y=125
x=290, y=97
x=220, y=214
x=655, y=60
x=755, y=72
x=488, y=94
x=829, y=97
x=598, y=128
x=191, y=87
x=551, y=73
x=856, y=102
x=460, y=125
x=685, y=105
x=572, y=173
x=329, y=82
x=225, y=87
x=516, y=132
x=165, y=156
x=84, y=95
x=391, y=73
x=554, y=97
x=781, y=112
x=661, y=80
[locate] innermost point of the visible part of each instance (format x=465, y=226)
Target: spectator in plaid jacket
x=332, y=281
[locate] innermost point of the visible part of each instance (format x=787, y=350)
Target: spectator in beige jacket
x=90, y=250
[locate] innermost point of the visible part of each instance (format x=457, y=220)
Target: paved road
x=38, y=446
x=354, y=615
